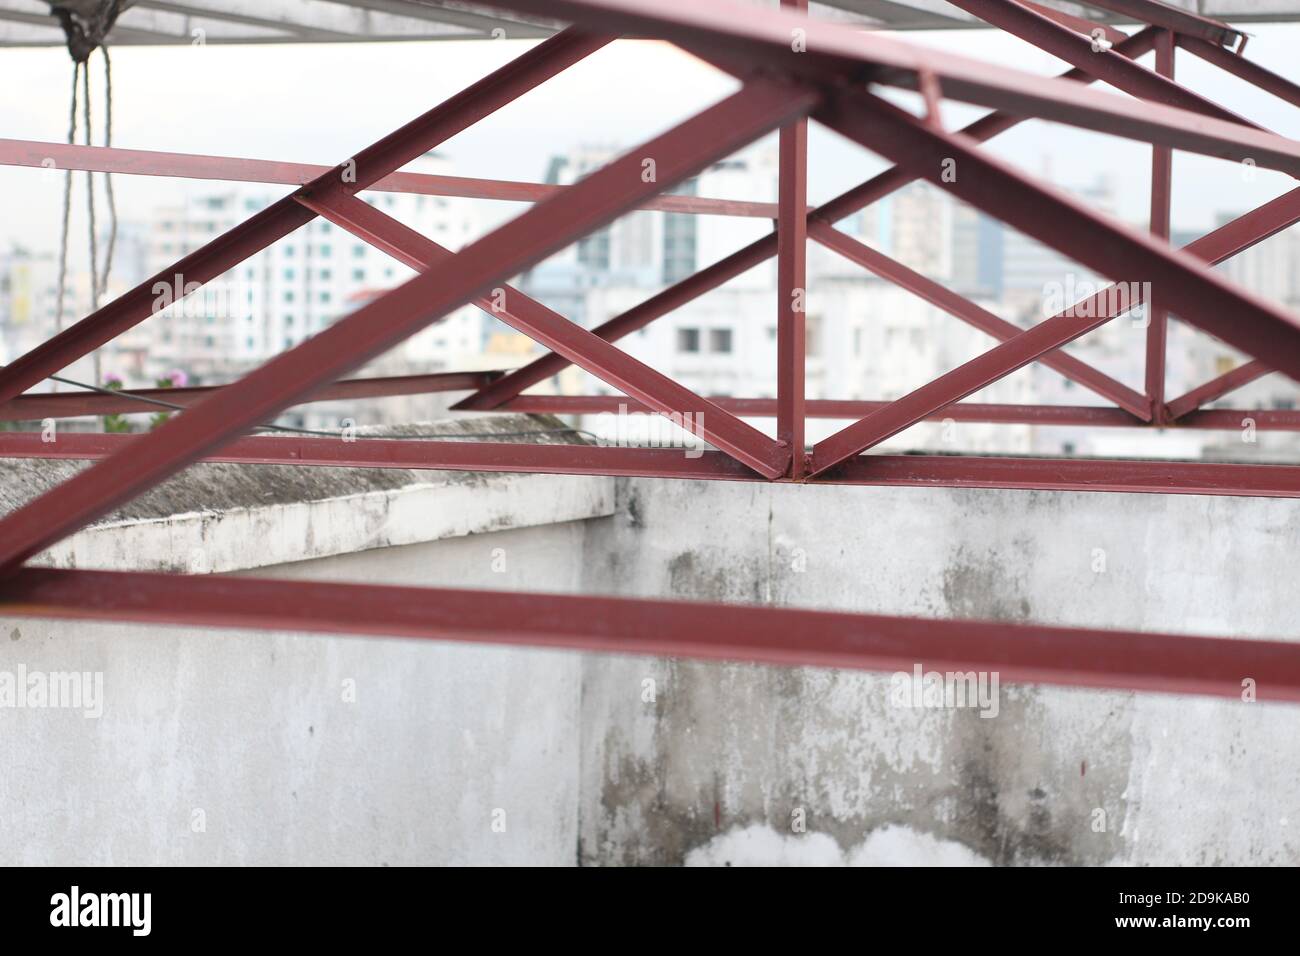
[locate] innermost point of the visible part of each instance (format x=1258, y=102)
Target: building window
x=679, y=239
x=358, y=275
x=719, y=340
x=688, y=340
x=358, y=252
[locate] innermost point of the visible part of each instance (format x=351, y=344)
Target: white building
x=29, y=307
x=298, y=286
x=866, y=339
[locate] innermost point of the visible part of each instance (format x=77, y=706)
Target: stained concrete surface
x=718, y=766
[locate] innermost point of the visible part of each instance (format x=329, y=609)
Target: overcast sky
x=320, y=103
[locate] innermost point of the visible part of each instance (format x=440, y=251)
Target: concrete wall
x=228, y=747
x=719, y=764
x=254, y=729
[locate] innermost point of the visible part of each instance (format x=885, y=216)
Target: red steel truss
x=829, y=75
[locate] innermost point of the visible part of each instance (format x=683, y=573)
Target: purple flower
x=178, y=378
x=113, y=381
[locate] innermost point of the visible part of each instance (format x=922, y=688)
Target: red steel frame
x=781, y=86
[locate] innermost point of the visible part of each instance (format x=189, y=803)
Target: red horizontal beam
x=1235, y=419
x=939, y=471
x=1016, y=652
x=1222, y=419
x=1071, y=474
x=139, y=162
x=839, y=408
x=434, y=454
x=35, y=406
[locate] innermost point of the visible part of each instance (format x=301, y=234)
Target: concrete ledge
x=227, y=517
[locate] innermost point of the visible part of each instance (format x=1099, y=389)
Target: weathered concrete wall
x=225, y=747
x=254, y=729
x=301, y=749
x=725, y=756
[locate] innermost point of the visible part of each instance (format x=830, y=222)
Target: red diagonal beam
x=578, y=345
x=1016, y=652
x=413, y=140
x=931, y=399
x=1172, y=18
x=1216, y=388
x=1120, y=72
x=690, y=288
x=638, y=317
x=1239, y=66
x=759, y=107
x=1197, y=294
x=972, y=314
x=729, y=33
x=1079, y=24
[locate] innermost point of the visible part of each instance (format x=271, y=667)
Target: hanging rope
x=90, y=198
x=84, y=35
x=108, y=177
x=67, y=202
